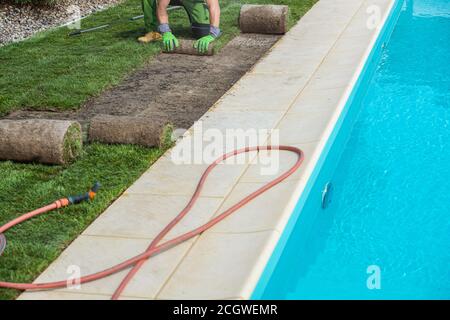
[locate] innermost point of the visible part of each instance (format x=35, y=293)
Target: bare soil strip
x=172, y=87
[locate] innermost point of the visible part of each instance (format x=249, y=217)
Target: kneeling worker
x=204, y=16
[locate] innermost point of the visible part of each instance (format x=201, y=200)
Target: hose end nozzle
x=94, y=190
x=90, y=195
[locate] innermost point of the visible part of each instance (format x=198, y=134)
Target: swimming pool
x=385, y=231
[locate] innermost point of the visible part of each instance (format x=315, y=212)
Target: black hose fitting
x=85, y=196
x=2, y=243
x=96, y=187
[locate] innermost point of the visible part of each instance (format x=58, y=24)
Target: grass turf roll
x=144, y=131
x=266, y=19
x=187, y=47
x=40, y=140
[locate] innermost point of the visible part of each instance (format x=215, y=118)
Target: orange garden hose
x=155, y=246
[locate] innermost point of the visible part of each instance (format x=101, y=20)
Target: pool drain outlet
x=327, y=194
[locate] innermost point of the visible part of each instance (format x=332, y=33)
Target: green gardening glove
x=202, y=44
x=170, y=42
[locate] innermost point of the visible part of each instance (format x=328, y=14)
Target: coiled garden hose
x=155, y=246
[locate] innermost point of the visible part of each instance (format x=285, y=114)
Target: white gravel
x=20, y=22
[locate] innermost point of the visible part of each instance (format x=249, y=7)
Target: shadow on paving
x=173, y=87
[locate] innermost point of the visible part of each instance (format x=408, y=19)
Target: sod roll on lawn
x=187, y=47
x=40, y=140
x=267, y=19
x=143, y=131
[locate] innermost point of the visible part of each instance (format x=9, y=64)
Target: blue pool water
x=390, y=168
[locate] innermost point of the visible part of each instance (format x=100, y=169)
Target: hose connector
x=2, y=243
x=88, y=196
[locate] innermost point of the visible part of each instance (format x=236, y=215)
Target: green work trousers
x=197, y=11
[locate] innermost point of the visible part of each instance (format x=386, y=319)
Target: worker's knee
x=197, y=11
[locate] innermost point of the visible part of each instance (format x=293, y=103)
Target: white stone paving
x=299, y=88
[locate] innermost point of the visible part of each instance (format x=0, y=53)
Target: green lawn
x=35, y=243
x=52, y=71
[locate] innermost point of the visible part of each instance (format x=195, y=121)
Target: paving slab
x=220, y=258
x=270, y=164
x=256, y=216
x=313, y=98
x=167, y=178
x=272, y=91
x=304, y=126
x=143, y=216
x=90, y=254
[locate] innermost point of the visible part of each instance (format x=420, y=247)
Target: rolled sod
x=187, y=47
x=144, y=131
x=40, y=140
x=266, y=19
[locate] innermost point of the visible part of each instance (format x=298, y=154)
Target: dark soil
x=173, y=87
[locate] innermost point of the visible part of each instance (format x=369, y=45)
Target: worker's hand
x=170, y=42
x=202, y=44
